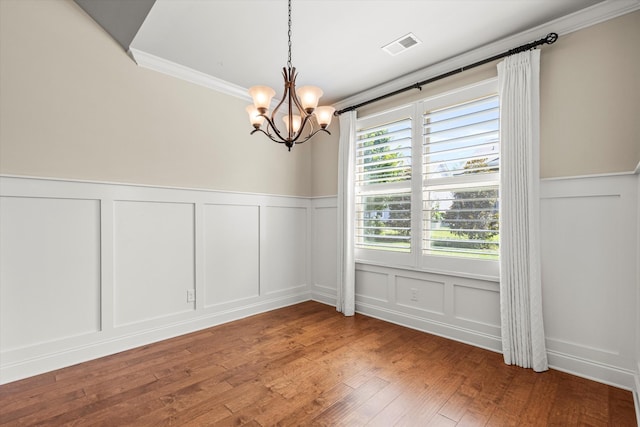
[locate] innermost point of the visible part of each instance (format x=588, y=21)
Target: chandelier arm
x=271, y=125
x=311, y=135
x=293, y=98
x=299, y=133
x=294, y=95
x=259, y=130
x=284, y=95
x=289, y=85
x=269, y=135
x=297, y=136
x=298, y=104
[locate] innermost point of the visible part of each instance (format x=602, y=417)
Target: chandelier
x=303, y=118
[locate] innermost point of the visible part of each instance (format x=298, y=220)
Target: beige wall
x=324, y=161
x=74, y=105
x=590, y=102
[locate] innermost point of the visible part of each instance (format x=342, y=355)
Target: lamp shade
x=297, y=120
x=309, y=97
x=254, y=116
x=261, y=97
x=324, y=116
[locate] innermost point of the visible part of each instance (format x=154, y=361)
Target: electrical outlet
x=191, y=295
x=414, y=294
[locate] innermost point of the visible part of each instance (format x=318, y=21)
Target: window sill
x=488, y=278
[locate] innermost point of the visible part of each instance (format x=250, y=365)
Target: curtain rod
x=549, y=39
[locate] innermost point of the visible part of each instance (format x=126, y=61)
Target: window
x=427, y=183
x=461, y=177
x=383, y=183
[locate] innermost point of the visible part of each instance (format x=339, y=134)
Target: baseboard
x=324, y=298
x=456, y=333
x=71, y=356
x=600, y=372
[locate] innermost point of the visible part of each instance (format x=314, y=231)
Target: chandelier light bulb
x=261, y=97
x=324, y=116
x=297, y=121
x=254, y=116
x=309, y=97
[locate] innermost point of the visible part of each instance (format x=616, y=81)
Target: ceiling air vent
x=402, y=44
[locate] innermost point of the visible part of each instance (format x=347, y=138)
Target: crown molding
x=593, y=15
x=155, y=63
x=161, y=65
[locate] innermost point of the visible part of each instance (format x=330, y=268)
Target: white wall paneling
x=154, y=260
x=282, y=262
x=232, y=254
x=589, y=244
x=463, y=309
x=478, y=305
x=89, y=269
x=324, y=237
x=373, y=286
x=64, y=249
x=425, y=295
x=52, y=245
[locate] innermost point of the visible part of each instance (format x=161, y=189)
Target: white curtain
x=346, y=259
x=520, y=283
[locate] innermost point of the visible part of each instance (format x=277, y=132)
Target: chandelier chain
x=289, y=34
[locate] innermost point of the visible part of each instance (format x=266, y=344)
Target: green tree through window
x=387, y=217
x=473, y=214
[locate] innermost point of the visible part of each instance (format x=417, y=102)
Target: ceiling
x=337, y=44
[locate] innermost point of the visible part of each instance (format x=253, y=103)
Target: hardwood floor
x=308, y=365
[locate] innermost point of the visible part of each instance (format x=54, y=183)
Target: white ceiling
x=336, y=43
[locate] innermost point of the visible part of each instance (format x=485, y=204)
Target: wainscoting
x=589, y=263
x=324, y=265
x=89, y=269
x=463, y=309
x=589, y=267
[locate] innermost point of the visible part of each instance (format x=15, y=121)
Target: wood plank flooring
x=307, y=365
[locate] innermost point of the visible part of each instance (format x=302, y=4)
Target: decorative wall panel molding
x=477, y=304
x=373, y=286
x=282, y=264
x=231, y=255
x=52, y=244
x=589, y=264
x=454, y=307
x=324, y=260
x=425, y=295
x=154, y=260
x=89, y=269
